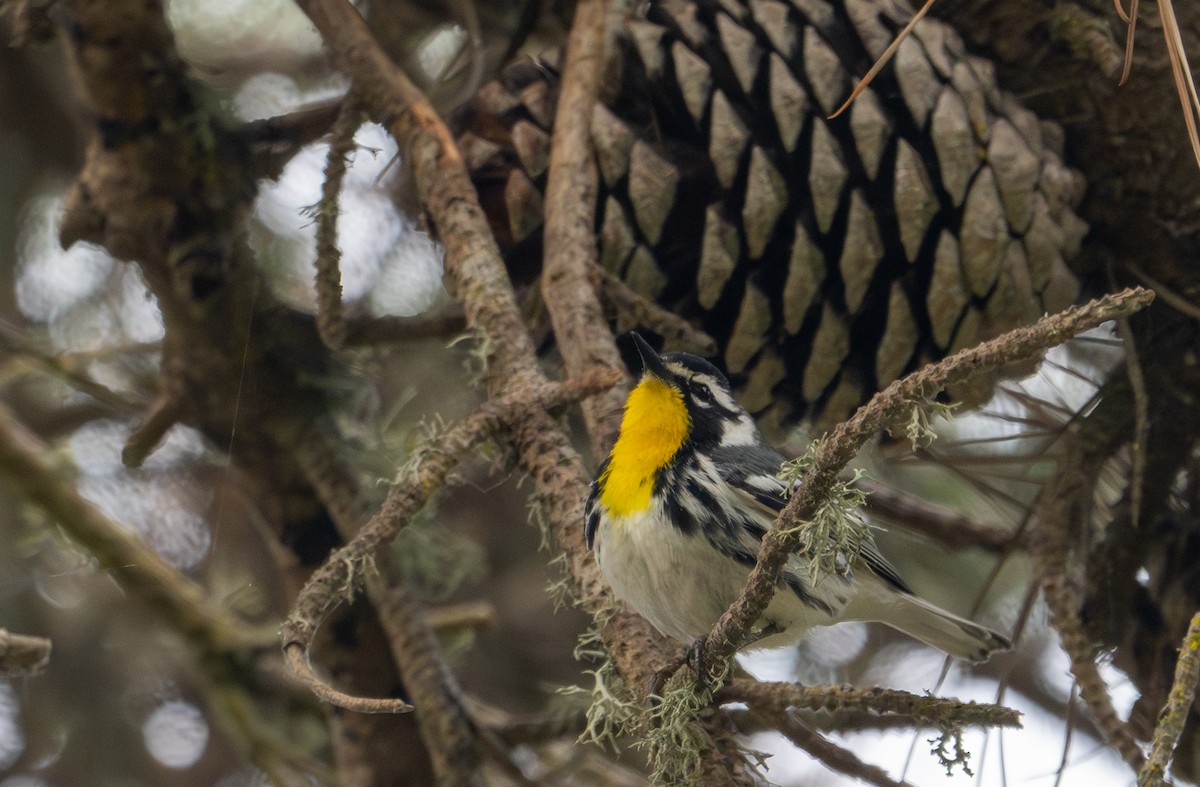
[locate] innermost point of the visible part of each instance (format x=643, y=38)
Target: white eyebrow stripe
x=723, y=397
x=721, y=394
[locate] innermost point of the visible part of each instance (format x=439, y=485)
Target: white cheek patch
x=739, y=432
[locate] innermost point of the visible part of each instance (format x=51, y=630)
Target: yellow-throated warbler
x=679, y=508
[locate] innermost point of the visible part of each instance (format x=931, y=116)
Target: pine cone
x=826, y=257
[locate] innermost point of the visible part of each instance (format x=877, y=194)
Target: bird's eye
x=702, y=392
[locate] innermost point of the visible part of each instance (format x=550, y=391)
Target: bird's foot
x=695, y=658
x=768, y=630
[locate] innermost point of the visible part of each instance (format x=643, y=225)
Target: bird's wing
x=591, y=508
x=767, y=493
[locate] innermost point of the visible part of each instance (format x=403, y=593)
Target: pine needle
x=1180, y=71
x=1184, y=83
x=884, y=58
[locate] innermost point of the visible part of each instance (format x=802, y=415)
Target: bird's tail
x=934, y=626
x=948, y=632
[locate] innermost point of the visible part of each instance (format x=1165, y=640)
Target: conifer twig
x=1175, y=713
x=568, y=288
x=1057, y=516
x=641, y=311
x=331, y=324
x=336, y=581
x=777, y=697
x=885, y=409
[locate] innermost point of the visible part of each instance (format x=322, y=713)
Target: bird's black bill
x=651, y=362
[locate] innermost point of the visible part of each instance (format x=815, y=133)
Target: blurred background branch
x=22, y=655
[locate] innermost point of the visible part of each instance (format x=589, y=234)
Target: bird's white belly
x=680, y=583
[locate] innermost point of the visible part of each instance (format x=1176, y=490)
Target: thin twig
x=372, y=331
x=334, y=582
x=884, y=409
x=883, y=59
x=1185, y=86
x=1141, y=416
x=528, y=729
x=1175, y=713
x=1169, y=295
x=643, y=312
x=22, y=655
x=464, y=615
x=950, y=528
x=1070, y=724
x=65, y=367
x=273, y=141
x=568, y=288
x=1059, y=514
x=830, y=754
x=775, y=698
x=330, y=324
x=297, y=661
x=164, y=413
x=305, y=125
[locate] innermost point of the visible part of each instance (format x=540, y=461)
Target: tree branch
x=886, y=408
x=568, y=287
x=831, y=755
x=633, y=307
x=336, y=581
x=330, y=322
x=1058, y=514
x=777, y=698
x=946, y=526
x=137, y=569
x=476, y=275
x=365, y=331
x=1175, y=713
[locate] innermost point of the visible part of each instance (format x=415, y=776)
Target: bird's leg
x=695, y=653
x=768, y=630
x=695, y=657
x=659, y=680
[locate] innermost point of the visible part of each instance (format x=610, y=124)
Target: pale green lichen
x=951, y=737
x=479, y=353
x=561, y=586
x=919, y=428
x=539, y=516
x=434, y=560
x=833, y=539
x=676, y=739
x=357, y=572
x=562, y=591
x=613, y=711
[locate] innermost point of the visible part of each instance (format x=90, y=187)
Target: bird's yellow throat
x=654, y=427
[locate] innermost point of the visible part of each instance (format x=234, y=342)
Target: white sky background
x=1031, y=756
